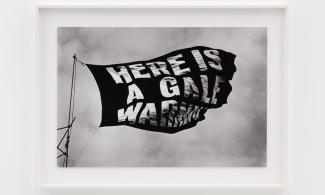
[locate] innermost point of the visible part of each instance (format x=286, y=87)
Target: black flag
x=167, y=94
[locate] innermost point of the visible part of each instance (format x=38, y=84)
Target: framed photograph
x=162, y=97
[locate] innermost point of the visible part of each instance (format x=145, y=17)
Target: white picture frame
x=276, y=19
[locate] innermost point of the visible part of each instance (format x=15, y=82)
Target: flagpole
x=71, y=118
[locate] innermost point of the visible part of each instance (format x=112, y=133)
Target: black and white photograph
x=161, y=97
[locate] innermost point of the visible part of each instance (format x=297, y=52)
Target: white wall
x=306, y=134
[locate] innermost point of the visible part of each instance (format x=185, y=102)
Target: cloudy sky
x=233, y=135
